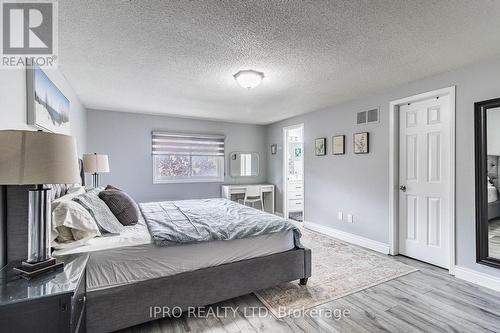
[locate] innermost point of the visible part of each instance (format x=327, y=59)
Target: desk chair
x=253, y=194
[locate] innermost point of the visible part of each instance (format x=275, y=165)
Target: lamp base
x=95, y=180
x=29, y=270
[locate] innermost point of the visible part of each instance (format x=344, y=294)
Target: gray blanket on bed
x=188, y=221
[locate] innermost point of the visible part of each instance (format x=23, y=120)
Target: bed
x=493, y=182
x=127, y=274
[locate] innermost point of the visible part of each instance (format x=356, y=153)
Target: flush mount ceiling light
x=249, y=78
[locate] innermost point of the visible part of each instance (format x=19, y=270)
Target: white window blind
x=179, y=157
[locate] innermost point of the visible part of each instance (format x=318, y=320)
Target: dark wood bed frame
x=123, y=306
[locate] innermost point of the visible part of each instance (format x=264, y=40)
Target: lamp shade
x=32, y=158
x=95, y=163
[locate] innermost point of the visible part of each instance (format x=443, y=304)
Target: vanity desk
x=246, y=165
x=232, y=192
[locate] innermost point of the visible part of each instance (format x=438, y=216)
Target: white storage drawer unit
x=295, y=195
x=295, y=204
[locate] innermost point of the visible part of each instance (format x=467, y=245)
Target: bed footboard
x=124, y=306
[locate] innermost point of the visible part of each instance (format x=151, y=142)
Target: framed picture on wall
x=361, y=143
x=274, y=149
x=48, y=108
x=338, y=145
x=320, y=146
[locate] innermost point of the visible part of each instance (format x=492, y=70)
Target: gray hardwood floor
x=429, y=300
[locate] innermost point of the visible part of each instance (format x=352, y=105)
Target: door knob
x=402, y=188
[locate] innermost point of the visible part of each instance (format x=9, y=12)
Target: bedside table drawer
x=78, y=302
x=39, y=315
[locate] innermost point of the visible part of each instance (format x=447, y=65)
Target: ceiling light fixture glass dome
x=249, y=78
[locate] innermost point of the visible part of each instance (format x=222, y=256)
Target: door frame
x=285, y=171
x=394, y=168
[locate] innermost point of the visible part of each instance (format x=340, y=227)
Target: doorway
x=293, y=172
x=422, y=177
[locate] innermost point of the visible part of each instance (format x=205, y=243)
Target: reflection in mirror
x=294, y=152
x=492, y=180
x=244, y=164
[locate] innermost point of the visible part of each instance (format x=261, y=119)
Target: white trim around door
x=394, y=168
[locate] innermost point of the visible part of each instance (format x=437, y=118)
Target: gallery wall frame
x=320, y=146
x=361, y=143
x=338, y=145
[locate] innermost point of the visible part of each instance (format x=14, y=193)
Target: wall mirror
x=244, y=164
x=487, y=151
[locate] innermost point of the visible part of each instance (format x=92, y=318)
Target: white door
x=424, y=179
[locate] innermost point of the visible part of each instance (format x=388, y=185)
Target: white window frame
x=157, y=179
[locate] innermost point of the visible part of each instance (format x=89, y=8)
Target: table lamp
x=95, y=164
x=38, y=158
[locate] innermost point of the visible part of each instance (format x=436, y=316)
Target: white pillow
x=75, y=188
x=59, y=231
x=72, y=224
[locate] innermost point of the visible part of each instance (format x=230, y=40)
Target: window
x=182, y=158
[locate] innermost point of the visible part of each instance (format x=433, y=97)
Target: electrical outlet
x=349, y=218
x=340, y=216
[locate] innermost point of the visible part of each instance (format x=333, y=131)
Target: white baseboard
x=278, y=214
x=482, y=279
x=349, y=238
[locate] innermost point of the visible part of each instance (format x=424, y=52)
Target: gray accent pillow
x=105, y=219
x=121, y=205
x=110, y=187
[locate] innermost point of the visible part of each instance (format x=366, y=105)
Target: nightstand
x=52, y=302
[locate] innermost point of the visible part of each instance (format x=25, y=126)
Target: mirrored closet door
x=487, y=146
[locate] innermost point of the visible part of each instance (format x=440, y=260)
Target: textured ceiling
x=178, y=57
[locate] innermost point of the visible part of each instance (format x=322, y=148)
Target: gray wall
x=358, y=184
x=13, y=115
x=126, y=138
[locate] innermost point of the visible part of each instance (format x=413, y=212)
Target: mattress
x=132, y=257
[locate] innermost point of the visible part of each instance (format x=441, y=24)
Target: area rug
x=338, y=269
